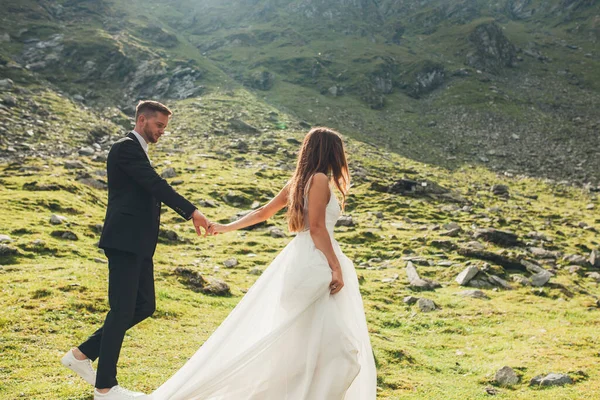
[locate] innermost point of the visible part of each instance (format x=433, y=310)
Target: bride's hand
x=337, y=283
x=216, y=228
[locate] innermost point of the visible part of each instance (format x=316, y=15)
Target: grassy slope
x=54, y=294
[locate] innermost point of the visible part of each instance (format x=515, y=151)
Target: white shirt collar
x=142, y=142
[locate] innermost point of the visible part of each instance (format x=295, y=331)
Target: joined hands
x=210, y=228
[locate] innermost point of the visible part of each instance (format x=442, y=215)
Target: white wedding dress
x=288, y=338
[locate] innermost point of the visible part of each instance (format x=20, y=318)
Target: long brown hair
x=322, y=151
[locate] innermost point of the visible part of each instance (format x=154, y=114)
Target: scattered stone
x=542, y=253
x=521, y=280
x=506, y=376
x=217, y=288
x=230, y=263
x=594, y=275
x=192, y=278
x=100, y=261
x=492, y=391
x=541, y=278
x=6, y=250
x=417, y=282
x=551, y=380
x=503, y=238
x=168, y=235
x=576, y=259
x=466, y=275
x=74, y=164
x=68, y=235
x=594, y=259
x=6, y=84
x=575, y=269
x=345, y=220
x=5, y=238
x=477, y=294
x=410, y=300
x=277, y=233
x=255, y=271
x=86, y=151
x=501, y=282
x=241, y=126
x=500, y=190
x=168, y=173
x=426, y=305
x=95, y=183
x=57, y=219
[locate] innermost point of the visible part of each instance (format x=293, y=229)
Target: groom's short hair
x=151, y=107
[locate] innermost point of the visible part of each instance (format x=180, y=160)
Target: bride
x=300, y=332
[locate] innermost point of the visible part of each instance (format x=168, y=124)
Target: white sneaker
x=117, y=393
x=83, y=368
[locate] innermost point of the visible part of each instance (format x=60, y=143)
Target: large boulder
x=492, y=50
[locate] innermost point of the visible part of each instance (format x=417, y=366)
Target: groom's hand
x=200, y=220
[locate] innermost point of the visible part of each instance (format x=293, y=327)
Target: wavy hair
x=322, y=151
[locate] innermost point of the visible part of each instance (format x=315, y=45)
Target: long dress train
x=288, y=338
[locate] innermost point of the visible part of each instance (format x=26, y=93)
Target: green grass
x=54, y=293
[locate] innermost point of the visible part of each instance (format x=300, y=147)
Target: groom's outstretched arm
x=133, y=161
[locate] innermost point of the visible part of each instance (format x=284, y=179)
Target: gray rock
x=86, y=151
x=411, y=272
x=477, y=294
x=168, y=173
x=493, y=51
x=541, y=278
x=345, y=220
x=95, y=183
x=255, y=271
x=410, y=300
x=551, y=380
x=594, y=259
x=9, y=101
x=241, y=126
x=7, y=251
x=68, y=235
x=5, y=239
x=426, y=305
x=521, y=280
x=503, y=238
x=500, y=190
x=575, y=259
x=6, y=84
x=74, y=164
x=542, y=253
x=230, y=263
x=466, y=275
x=57, y=219
x=506, y=376
x=594, y=275
x=191, y=278
x=501, y=282
x=575, y=269
x=277, y=233
x=217, y=288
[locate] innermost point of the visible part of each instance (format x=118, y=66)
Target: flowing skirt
x=287, y=339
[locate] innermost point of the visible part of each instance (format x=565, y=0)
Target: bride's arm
x=318, y=198
x=256, y=216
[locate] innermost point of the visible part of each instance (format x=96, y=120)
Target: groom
x=135, y=194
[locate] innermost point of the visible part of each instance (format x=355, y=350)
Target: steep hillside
x=512, y=85
x=530, y=246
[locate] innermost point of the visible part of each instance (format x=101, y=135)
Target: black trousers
x=132, y=300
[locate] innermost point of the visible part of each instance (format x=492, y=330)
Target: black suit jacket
x=135, y=194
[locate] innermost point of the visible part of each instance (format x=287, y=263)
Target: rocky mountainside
x=513, y=85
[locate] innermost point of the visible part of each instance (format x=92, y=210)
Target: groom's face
x=155, y=125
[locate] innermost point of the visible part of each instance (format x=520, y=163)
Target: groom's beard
x=151, y=136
